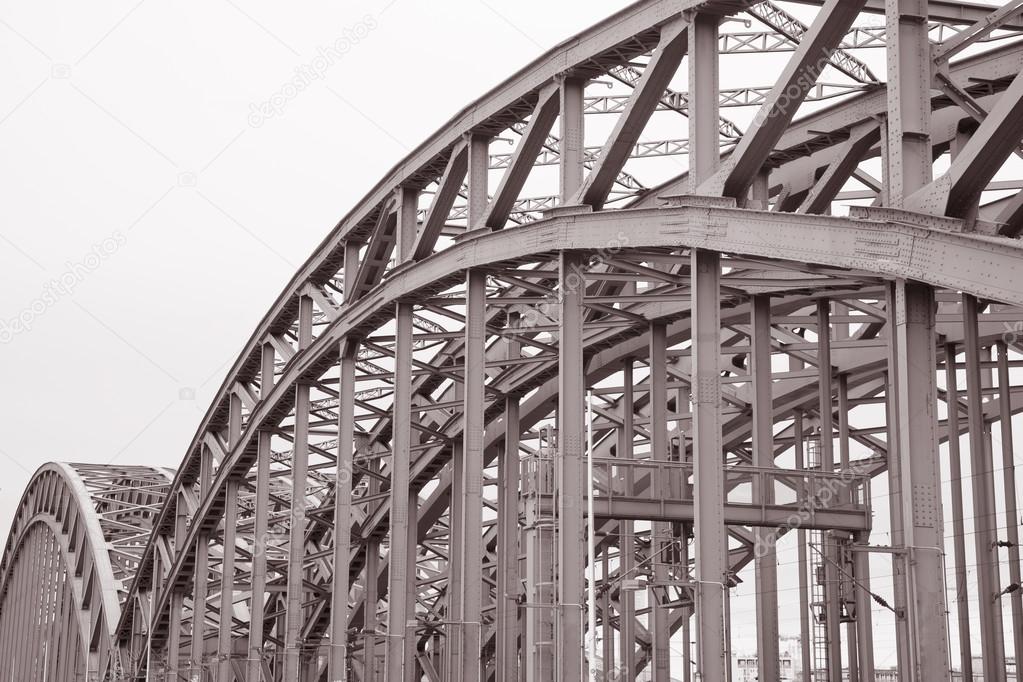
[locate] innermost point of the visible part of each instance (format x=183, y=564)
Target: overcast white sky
x=135, y=165
x=132, y=122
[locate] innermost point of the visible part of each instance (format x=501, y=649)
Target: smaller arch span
x=73, y=548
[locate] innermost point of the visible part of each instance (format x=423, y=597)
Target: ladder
x=541, y=549
x=818, y=594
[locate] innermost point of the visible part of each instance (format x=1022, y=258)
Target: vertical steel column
x=453, y=632
x=607, y=633
x=345, y=478
x=825, y=375
x=660, y=540
x=253, y=670
x=711, y=538
x=853, y=628
x=371, y=600
x=704, y=100
x=227, y=566
x=914, y=319
x=200, y=581
x=6, y=638
x=760, y=192
x=56, y=633
x=22, y=669
x=224, y=644
x=572, y=146
x=908, y=167
x=16, y=627
x=401, y=565
x=68, y=658
x=571, y=483
x=1009, y=483
x=540, y=552
x=984, y=512
x=177, y=596
x=25, y=570
x=958, y=527
x=687, y=617
x=458, y=613
x=472, y=474
x=626, y=539
x=412, y=664
x=33, y=652
x=685, y=455
x=456, y=516
x=903, y=648
x=340, y=588
x=199, y=595
x=173, y=637
x=766, y=561
x=508, y=530
x=296, y=546
x=805, y=641
x=46, y=606
x=478, y=176
x=711, y=545
x=864, y=619
x=832, y=595
x=843, y=422
x=909, y=101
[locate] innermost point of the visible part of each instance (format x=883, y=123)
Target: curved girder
x=215, y=525
x=73, y=549
x=851, y=256
x=840, y=246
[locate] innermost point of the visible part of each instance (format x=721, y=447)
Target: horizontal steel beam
x=766, y=516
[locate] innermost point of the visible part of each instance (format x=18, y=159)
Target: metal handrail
x=813, y=489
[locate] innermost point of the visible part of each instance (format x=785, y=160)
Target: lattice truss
x=74, y=548
x=789, y=285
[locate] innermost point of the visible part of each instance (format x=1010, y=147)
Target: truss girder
x=455, y=327
x=77, y=538
x=778, y=232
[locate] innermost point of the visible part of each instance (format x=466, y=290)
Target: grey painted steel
x=661, y=543
x=463, y=348
x=711, y=542
x=508, y=659
x=569, y=471
x=1009, y=490
x=763, y=456
x=960, y=585
x=71, y=528
x=921, y=476
x=472, y=474
x=985, y=522
x=345, y=476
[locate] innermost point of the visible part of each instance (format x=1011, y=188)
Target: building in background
x=744, y=667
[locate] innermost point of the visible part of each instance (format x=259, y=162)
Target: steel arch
x=73, y=549
x=426, y=348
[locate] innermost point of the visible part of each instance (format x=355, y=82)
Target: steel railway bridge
x=523, y=416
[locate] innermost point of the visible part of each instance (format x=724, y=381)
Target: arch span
x=73, y=550
x=390, y=483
